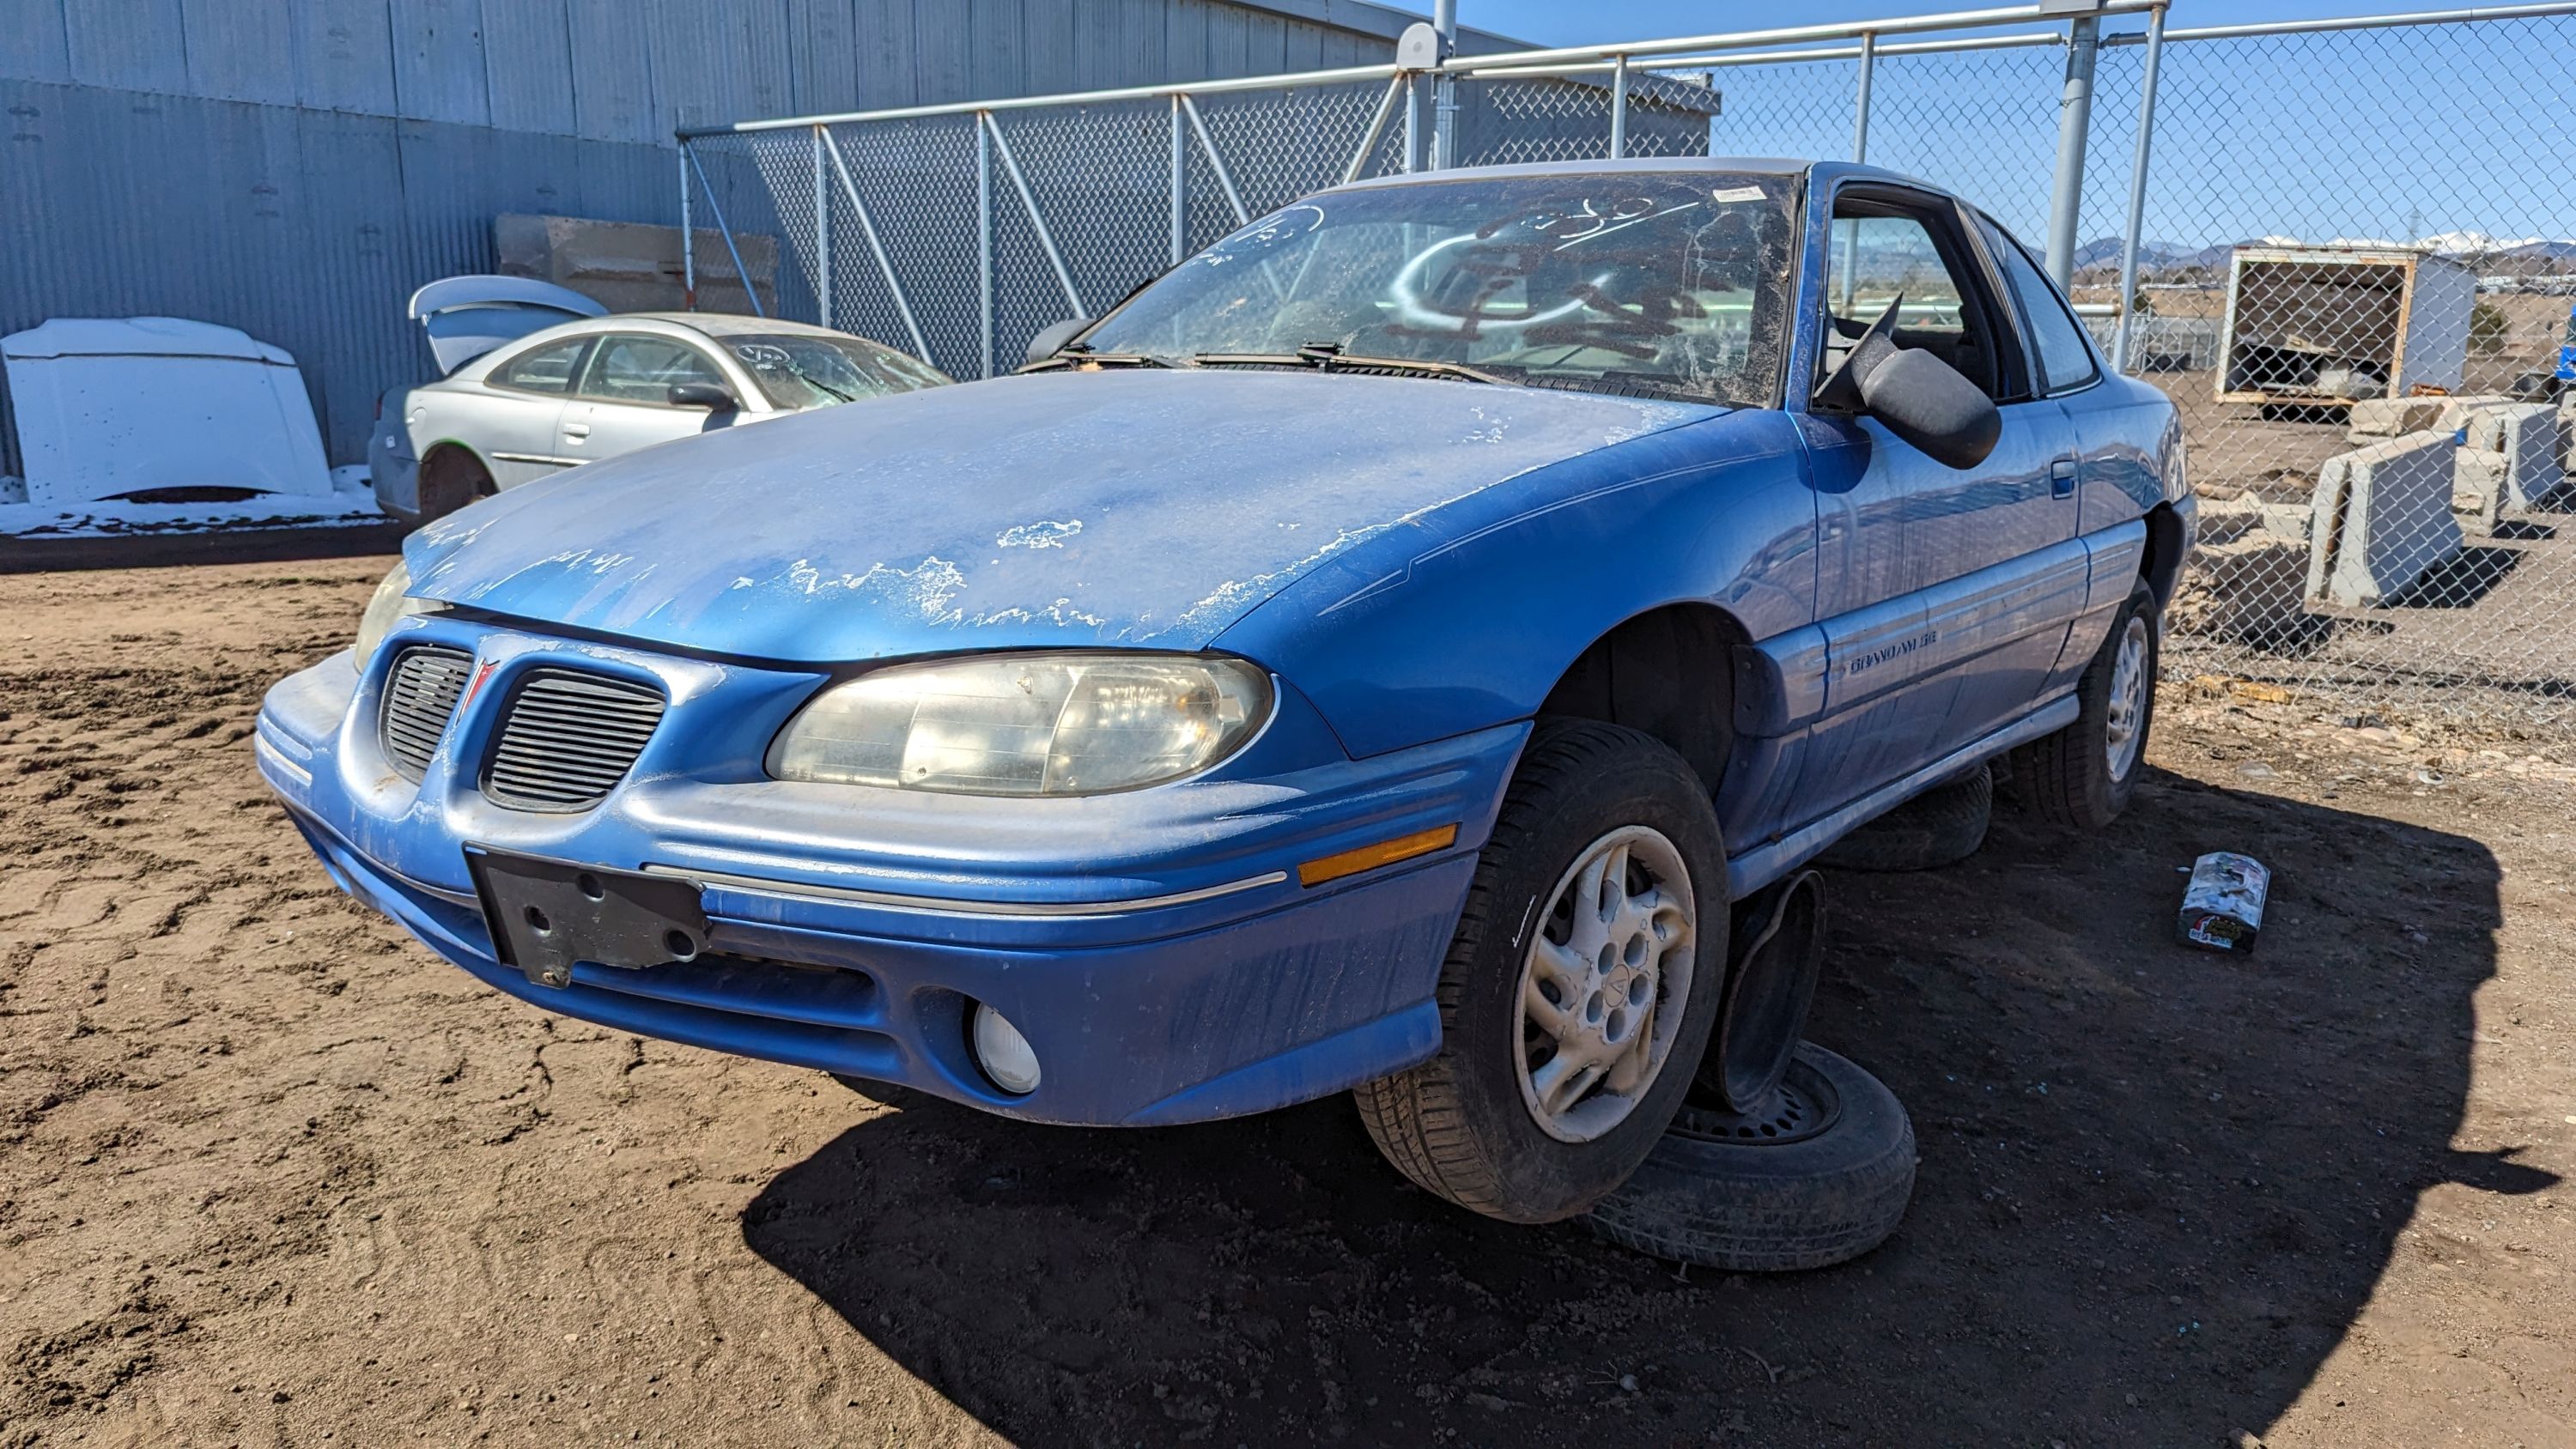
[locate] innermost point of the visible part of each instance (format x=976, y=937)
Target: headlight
x=1027, y=724
x=388, y=608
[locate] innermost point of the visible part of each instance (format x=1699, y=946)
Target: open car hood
x=466, y=317
x=1149, y=508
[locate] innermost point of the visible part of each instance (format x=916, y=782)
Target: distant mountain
x=2099, y=260
x=2152, y=256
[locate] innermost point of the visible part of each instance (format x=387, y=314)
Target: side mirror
x=1052, y=338
x=1916, y=396
x=712, y=396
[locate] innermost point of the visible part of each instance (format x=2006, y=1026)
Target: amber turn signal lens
x=1370, y=857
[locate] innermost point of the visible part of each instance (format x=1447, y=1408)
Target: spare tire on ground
x=1820, y=1178
x=1942, y=826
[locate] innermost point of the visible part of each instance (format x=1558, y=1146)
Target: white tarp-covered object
x=109, y=407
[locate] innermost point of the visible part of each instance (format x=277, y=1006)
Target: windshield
x=811, y=372
x=1658, y=283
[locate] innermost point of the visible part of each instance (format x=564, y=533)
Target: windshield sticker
x=1735, y=195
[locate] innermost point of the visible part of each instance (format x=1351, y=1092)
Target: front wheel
x=2084, y=774
x=1580, y=986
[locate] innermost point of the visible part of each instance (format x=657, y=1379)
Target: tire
x=451, y=478
x=2071, y=777
x=1942, y=826
x=1467, y=1124
x=1720, y=1201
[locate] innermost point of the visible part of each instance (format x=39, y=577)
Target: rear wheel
x=450, y=478
x=1579, y=988
x=2084, y=774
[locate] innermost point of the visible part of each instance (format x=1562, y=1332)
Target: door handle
x=2061, y=478
x=575, y=432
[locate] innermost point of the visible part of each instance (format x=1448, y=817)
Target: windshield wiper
x=1081, y=355
x=1329, y=357
x=810, y=380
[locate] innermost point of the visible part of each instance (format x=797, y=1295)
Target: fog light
x=1003, y=1053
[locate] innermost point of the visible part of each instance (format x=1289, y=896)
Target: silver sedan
x=514, y=409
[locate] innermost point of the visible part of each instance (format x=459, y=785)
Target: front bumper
x=1155, y=947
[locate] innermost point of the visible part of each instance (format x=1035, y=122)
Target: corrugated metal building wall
x=295, y=168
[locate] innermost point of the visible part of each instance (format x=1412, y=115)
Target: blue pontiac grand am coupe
x=1372, y=659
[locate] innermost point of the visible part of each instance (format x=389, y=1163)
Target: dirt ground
x=271, y=1173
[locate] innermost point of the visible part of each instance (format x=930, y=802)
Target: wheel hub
x=1604, y=983
x=2128, y=701
x=1801, y=1105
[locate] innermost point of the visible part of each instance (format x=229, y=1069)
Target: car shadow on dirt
x=2157, y=1187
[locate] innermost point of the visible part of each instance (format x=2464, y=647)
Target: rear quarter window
x=2065, y=360
x=547, y=368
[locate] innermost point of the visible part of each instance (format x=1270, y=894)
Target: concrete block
x=2390, y=417
x=2383, y=519
x=2479, y=485
x=2293, y=521
x=2456, y=410
x=2527, y=434
x=2249, y=590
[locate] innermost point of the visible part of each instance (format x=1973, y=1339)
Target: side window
x=1879, y=253
x=636, y=369
x=2065, y=363
x=541, y=369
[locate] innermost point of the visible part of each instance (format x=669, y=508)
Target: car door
x=513, y=419
x=1945, y=594
x=623, y=401
x=2117, y=481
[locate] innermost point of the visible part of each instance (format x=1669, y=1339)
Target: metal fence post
x=2074, y=118
x=1413, y=124
x=688, y=238
x=984, y=240
x=724, y=229
x=1444, y=89
x=1618, y=106
x=822, y=236
x=1179, y=167
x=1860, y=98
x=876, y=246
x=2138, y=189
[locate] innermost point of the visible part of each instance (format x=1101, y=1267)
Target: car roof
x=728, y=324
x=1651, y=165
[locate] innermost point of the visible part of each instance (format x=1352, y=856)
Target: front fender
x=1465, y=617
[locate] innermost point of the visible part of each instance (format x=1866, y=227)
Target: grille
x=567, y=738
x=420, y=698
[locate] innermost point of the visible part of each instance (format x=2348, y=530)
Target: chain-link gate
x=2346, y=248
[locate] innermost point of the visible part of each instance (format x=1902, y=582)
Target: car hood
x=1133, y=507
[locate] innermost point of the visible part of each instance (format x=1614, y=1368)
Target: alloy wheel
x=2121, y=734
x=1604, y=983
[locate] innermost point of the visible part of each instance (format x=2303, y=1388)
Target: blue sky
x=1555, y=22
x=2382, y=134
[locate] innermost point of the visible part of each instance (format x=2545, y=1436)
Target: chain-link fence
x=2354, y=264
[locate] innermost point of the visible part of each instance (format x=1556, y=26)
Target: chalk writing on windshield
x=1508, y=277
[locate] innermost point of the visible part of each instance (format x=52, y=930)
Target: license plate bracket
x=544, y=915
